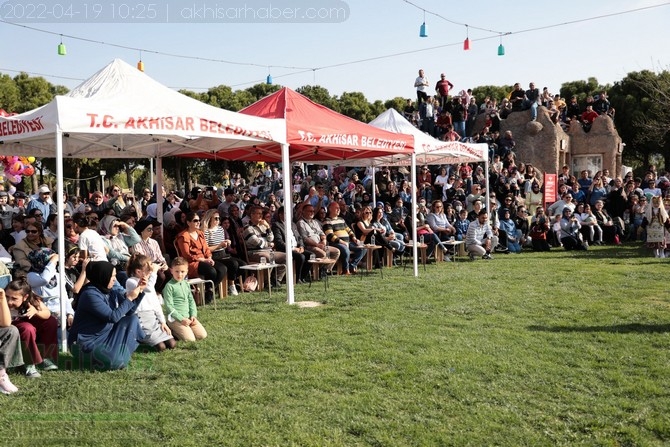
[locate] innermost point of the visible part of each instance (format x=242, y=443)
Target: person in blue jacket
x=106, y=330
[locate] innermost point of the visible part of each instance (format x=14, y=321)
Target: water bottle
x=272, y=257
x=372, y=239
x=421, y=239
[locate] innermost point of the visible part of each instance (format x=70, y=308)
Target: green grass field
x=537, y=349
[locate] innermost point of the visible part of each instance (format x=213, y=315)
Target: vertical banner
x=549, y=189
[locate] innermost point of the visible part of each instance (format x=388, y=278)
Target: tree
x=356, y=106
x=9, y=94
x=33, y=92
x=260, y=91
x=642, y=103
x=492, y=92
x=398, y=103
x=319, y=95
x=582, y=89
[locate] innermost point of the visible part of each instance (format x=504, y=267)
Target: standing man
x=442, y=88
x=421, y=84
x=41, y=203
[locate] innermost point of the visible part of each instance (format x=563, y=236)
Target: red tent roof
x=317, y=133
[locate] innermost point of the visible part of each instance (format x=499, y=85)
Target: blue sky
x=607, y=48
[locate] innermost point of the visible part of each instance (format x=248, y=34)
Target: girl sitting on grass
x=157, y=333
x=37, y=328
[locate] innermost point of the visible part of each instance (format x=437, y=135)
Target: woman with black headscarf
x=105, y=331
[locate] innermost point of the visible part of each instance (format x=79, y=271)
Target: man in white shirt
x=421, y=84
x=479, y=239
x=313, y=236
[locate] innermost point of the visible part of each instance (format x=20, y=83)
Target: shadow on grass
x=632, y=328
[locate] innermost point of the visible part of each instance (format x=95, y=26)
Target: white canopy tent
x=428, y=151
x=121, y=112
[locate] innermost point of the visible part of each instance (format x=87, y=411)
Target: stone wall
x=547, y=147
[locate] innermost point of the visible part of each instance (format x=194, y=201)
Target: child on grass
x=180, y=305
x=149, y=311
x=37, y=328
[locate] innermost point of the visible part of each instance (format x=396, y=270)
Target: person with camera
x=203, y=200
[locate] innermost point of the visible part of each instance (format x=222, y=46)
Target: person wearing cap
x=6, y=210
x=42, y=202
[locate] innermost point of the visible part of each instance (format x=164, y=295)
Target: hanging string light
x=62, y=51
x=422, y=30
x=140, y=64
x=501, y=48
x=466, y=42
x=268, y=80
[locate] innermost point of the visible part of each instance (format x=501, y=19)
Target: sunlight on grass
x=536, y=349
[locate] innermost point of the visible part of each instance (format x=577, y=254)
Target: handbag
x=219, y=255
x=250, y=284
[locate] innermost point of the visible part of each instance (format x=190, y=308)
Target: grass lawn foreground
x=537, y=349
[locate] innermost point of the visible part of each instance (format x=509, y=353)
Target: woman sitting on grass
x=569, y=235
x=106, y=331
x=539, y=228
x=37, y=328
x=149, y=310
x=590, y=228
x=509, y=227
x=612, y=231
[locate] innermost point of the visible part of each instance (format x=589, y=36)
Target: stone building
x=547, y=147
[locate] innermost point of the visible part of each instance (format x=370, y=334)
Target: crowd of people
x=126, y=270
x=452, y=117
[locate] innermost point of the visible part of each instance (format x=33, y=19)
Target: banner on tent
x=185, y=124
x=351, y=140
x=18, y=127
x=458, y=147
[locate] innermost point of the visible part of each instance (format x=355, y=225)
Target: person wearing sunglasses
x=192, y=245
x=34, y=240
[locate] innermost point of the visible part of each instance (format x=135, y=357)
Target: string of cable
x=302, y=70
